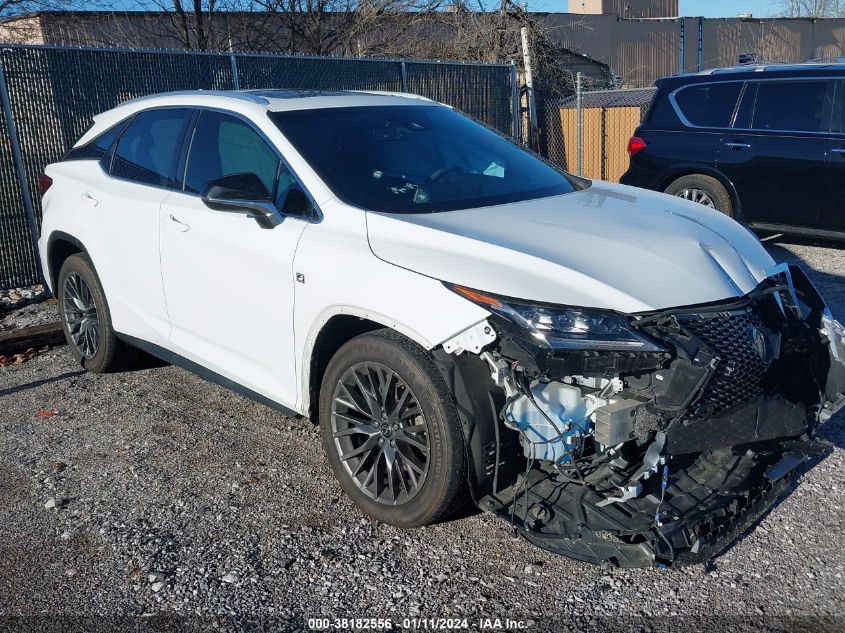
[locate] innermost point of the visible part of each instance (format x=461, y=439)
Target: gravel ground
x=154, y=493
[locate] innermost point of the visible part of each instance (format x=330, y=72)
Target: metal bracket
x=473, y=339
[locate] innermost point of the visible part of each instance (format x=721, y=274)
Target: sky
x=706, y=8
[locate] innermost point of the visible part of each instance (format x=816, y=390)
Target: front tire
x=704, y=190
x=86, y=319
x=391, y=431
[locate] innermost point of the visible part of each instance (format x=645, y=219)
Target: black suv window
x=793, y=106
x=223, y=145
x=147, y=151
x=709, y=105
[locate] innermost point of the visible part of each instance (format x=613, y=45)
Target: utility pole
x=529, y=87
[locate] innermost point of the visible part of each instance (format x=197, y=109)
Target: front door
x=228, y=281
x=775, y=157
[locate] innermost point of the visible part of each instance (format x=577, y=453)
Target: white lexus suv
x=624, y=376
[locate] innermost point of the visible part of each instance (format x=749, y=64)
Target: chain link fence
x=50, y=94
x=587, y=133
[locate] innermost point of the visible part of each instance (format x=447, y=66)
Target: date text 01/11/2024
x=418, y=623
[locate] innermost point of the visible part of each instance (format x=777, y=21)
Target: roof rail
x=827, y=60
x=232, y=94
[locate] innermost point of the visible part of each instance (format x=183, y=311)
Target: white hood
x=609, y=246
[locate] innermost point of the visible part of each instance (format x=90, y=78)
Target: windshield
x=416, y=159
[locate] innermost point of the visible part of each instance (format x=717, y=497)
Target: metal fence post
x=579, y=126
x=683, y=46
x=20, y=169
x=700, y=43
x=236, y=84
x=404, y=70
x=515, y=106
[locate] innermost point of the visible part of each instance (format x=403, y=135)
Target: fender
x=52, y=275
x=341, y=310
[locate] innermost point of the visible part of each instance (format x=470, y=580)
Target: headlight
x=565, y=328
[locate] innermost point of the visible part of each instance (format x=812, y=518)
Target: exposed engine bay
x=658, y=440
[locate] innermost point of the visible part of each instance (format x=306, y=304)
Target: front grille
x=735, y=338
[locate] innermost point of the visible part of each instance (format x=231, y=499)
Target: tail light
x=635, y=145
x=44, y=183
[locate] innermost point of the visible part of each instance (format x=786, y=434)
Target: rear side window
x=96, y=149
x=223, y=145
x=147, y=150
x=793, y=106
x=709, y=105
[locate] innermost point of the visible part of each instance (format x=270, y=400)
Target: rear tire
x=705, y=190
x=86, y=319
x=379, y=390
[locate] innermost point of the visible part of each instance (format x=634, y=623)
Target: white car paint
x=608, y=246
x=248, y=303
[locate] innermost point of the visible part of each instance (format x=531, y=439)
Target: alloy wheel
x=380, y=433
x=696, y=195
x=80, y=314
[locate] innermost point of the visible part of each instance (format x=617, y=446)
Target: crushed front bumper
x=727, y=422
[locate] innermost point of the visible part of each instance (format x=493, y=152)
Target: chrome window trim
x=683, y=117
x=687, y=123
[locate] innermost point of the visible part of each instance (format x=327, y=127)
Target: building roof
x=633, y=98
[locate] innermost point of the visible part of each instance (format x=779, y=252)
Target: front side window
x=224, y=145
x=709, y=105
x=147, y=151
x=416, y=159
x=793, y=106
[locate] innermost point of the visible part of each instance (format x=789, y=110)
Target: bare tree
x=813, y=8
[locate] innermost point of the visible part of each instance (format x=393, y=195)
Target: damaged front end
x=648, y=439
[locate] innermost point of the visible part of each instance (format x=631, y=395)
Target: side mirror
x=242, y=193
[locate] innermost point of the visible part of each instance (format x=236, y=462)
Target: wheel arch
x=489, y=449
x=330, y=332
x=60, y=246
x=667, y=178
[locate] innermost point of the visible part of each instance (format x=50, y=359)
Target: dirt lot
x=154, y=493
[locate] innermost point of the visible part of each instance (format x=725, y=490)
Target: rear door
x=705, y=111
x=775, y=155
x=125, y=198
x=832, y=206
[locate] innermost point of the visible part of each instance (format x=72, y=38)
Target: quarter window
x=709, y=105
x=97, y=148
x=793, y=106
x=224, y=145
x=147, y=151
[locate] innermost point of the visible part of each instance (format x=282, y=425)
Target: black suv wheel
x=704, y=190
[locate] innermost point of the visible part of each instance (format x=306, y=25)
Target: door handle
x=738, y=145
x=179, y=222
x=838, y=150
x=90, y=198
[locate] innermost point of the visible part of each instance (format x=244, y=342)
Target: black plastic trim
x=203, y=372
x=55, y=236
x=798, y=230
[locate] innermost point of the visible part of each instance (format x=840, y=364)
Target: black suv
x=762, y=143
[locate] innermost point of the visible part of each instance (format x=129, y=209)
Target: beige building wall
x=627, y=8
x=26, y=30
